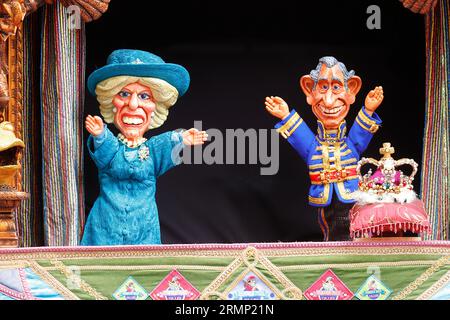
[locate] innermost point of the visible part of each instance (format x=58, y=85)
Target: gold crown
x=386, y=179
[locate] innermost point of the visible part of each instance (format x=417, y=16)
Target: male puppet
x=331, y=155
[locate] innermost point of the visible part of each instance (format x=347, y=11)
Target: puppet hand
x=194, y=137
x=374, y=99
x=277, y=107
x=94, y=125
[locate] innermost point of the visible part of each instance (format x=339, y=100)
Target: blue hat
x=137, y=63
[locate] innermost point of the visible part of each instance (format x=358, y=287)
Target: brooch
x=143, y=153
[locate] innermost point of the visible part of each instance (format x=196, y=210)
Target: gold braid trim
x=345, y=194
x=142, y=267
x=332, y=159
x=366, y=123
x=337, y=156
x=372, y=251
x=187, y=253
x=355, y=265
x=14, y=264
x=347, y=178
x=422, y=278
x=211, y=290
x=289, y=292
x=348, y=161
x=366, y=119
x=316, y=166
x=361, y=124
x=386, y=248
x=285, y=130
x=294, y=128
x=346, y=167
x=435, y=287
x=43, y=274
x=84, y=286
x=289, y=123
x=324, y=199
x=55, y=284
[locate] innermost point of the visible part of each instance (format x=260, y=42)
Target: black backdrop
x=237, y=52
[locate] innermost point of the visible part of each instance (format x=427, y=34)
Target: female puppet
x=135, y=91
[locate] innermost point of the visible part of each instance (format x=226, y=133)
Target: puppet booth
x=80, y=218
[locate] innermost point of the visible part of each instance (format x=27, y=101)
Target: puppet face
x=135, y=105
x=329, y=98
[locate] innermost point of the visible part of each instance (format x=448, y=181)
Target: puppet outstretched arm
x=291, y=127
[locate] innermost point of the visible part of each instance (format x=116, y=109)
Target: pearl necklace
x=131, y=144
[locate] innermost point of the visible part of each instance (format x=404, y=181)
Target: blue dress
x=125, y=212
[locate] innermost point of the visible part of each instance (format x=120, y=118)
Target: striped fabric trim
x=28, y=211
x=435, y=187
x=62, y=86
x=29, y=217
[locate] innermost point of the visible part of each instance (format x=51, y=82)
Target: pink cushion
x=376, y=218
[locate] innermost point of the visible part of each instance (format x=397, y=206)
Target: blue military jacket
x=331, y=156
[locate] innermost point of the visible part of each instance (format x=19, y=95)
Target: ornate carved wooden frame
x=12, y=14
x=13, y=108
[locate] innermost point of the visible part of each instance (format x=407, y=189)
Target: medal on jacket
x=143, y=153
